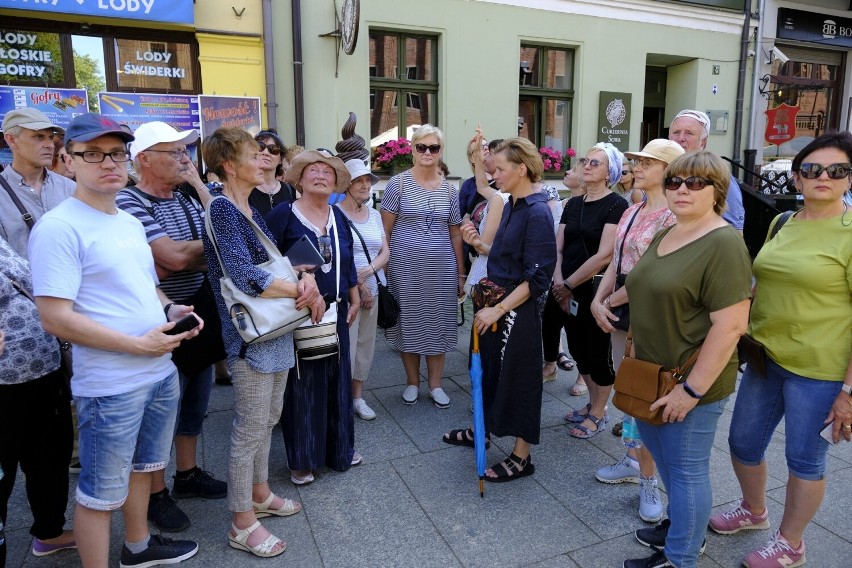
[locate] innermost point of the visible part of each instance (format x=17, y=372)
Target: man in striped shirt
x=174, y=224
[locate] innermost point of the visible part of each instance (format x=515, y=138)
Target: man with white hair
x=174, y=223
x=30, y=135
x=690, y=129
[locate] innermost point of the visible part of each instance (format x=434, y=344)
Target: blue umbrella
x=478, y=413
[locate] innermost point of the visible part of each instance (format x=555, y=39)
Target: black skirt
x=511, y=374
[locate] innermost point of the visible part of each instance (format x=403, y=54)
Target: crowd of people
x=112, y=240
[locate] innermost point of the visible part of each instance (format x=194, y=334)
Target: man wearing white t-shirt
x=95, y=282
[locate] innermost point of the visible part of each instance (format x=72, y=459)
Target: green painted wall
x=478, y=68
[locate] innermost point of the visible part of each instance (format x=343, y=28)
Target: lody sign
x=171, y=11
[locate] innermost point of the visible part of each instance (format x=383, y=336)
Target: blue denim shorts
x=121, y=433
x=194, y=397
x=763, y=401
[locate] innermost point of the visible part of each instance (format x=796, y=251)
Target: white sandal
x=265, y=549
x=289, y=507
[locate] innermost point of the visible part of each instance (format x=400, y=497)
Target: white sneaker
x=409, y=395
x=440, y=398
x=363, y=411
x=650, y=505
x=624, y=471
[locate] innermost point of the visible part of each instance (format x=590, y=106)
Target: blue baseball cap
x=91, y=125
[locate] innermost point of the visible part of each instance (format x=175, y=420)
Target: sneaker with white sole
x=410, y=394
x=626, y=470
x=362, y=410
x=777, y=553
x=655, y=537
x=440, y=398
x=160, y=551
x=650, y=504
x=739, y=519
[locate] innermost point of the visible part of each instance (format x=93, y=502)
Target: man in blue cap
x=94, y=281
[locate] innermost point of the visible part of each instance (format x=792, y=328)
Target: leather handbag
x=752, y=353
x=320, y=340
x=259, y=319
x=388, y=306
x=638, y=384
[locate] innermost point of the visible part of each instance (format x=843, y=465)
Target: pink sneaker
x=737, y=519
x=777, y=553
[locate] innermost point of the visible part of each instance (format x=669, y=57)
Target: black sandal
x=564, y=362
x=511, y=468
x=463, y=437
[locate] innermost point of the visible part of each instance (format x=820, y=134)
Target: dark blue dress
x=317, y=421
x=524, y=249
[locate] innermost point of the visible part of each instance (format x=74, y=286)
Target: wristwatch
x=688, y=390
x=847, y=389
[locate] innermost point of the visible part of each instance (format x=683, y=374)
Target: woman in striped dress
x=420, y=213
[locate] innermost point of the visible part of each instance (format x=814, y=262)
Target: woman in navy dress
x=318, y=423
x=521, y=260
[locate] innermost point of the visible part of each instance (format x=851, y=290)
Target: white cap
x=358, y=168
x=153, y=133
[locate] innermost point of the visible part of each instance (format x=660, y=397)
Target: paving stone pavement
x=415, y=500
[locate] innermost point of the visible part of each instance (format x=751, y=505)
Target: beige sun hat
x=308, y=157
x=658, y=149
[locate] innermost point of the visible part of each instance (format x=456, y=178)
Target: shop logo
x=829, y=29
x=616, y=112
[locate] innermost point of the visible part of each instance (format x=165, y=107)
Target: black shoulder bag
x=622, y=312
x=388, y=306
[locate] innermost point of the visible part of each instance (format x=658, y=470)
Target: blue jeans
x=121, y=433
x=194, y=396
x=805, y=404
x=682, y=452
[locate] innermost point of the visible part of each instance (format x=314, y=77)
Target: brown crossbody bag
x=638, y=384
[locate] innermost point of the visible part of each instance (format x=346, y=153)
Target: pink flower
x=571, y=153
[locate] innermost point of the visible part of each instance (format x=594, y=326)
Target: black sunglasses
x=834, y=171
x=432, y=148
x=693, y=183
x=273, y=149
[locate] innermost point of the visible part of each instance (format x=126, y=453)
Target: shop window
x=32, y=58
x=166, y=67
x=403, y=84
x=546, y=95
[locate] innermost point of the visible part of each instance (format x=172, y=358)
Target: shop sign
x=146, y=64
x=814, y=27
x=135, y=109
x=171, y=11
x=30, y=56
x=229, y=112
x=614, y=120
x=60, y=105
x=781, y=124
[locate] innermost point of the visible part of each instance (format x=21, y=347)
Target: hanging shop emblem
x=781, y=124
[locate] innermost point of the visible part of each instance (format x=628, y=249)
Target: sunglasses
x=325, y=248
x=587, y=162
x=273, y=149
x=693, y=183
x=834, y=171
x=645, y=163
x=432, y=148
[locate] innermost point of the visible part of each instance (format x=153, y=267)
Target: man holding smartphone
x=94, y=280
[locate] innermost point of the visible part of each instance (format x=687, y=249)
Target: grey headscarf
x=615, y=159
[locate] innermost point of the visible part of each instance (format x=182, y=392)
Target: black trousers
x=35, y=433
x=551, y=327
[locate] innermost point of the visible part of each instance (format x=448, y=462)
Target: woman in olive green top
x=689, y=291
x=802, y=315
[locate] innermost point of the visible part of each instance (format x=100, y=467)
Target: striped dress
x=422, y=272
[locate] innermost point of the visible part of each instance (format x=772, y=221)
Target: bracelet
x=606, y=301
x=167, y=308
x=565, y=283
x=688, y=390
x=502, y=307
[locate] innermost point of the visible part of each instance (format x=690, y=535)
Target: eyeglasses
x=176, y=154
x=645, y=163
x=273, y=149
x=693, y=183
x=325, y=248
x=432, y=148
x=834, y=171
x=587, y=162
x=92, y=157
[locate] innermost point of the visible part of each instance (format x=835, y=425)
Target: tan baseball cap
x=29, y=118
x=658, y=149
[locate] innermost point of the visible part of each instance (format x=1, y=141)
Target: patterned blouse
x=30, y=352
x=241, y=251
x=641, y=233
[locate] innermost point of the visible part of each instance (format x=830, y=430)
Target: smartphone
x=826, y=433
x=185, y=324
x=572, y=307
